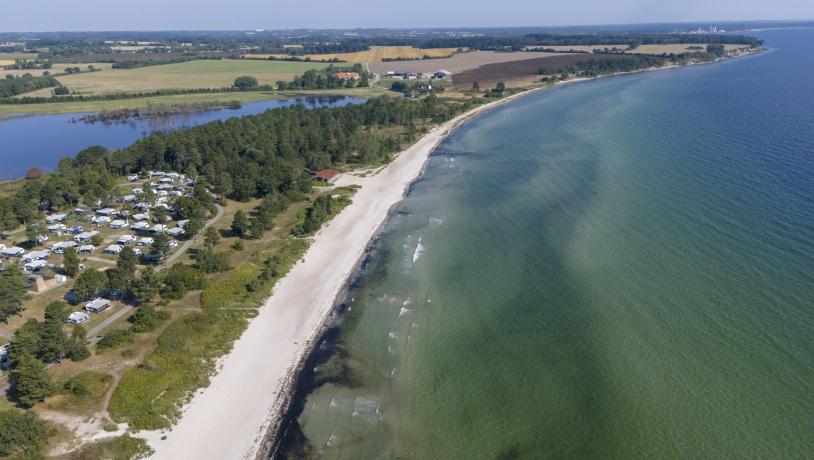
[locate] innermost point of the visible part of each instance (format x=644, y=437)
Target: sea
x=40, y=141
x=613, y=269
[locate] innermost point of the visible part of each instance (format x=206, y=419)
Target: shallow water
x=621, y=268
x=42, y=140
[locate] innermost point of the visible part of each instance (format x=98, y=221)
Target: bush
x=245, y=82
x=180, y=279
x=115, y=338
x=146, y=318
x=23, y=432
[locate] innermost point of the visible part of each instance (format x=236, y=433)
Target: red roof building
x=326, y=175
x=347, y=75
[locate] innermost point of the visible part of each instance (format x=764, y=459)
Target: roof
x=326, y=174
x=347, y=75
x=97, y=303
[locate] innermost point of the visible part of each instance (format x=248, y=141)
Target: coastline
x=240, y=413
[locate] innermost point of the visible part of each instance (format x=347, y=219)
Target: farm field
x=57, y=68
x=193, y=74
x=515, y=71
x=458, y=63
x=374, y=54
x=119, y=104
x=9, y=58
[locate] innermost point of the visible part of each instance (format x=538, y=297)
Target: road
x=95, y=330
x=186, y=245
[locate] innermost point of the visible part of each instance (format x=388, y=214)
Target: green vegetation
x=12, y=86
x=23, y=434
x=123, y=447
x=115, y=339
x=13, y=291
x=82, y=393
x=151, y=395
x=326, y=79
x=30, y=382
x=245, y=83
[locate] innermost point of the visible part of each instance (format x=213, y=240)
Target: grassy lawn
x=192, y=74
x=57, y=68
x=84, y=395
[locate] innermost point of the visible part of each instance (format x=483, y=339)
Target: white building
x=124, y=240
x=37, y=255
x=60, y=247
x=78, y=317
x=140, y=226
x=13, y=251
x=118, y=223
x=106, y=212
x=54, y=228
x=86, y=249
x=175, y=232
x=141, y=216
x=35, y=265
x=85, y=236
x=113, y=249
x=55, y=218
x=146, y=241
x=158, y=228
x=97, y=305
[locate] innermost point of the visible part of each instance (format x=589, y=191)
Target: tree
x=70, y=262
x=146, y=287
x=30, y=382
x=13, y=291
x=161, y=244
x=192, y=228
x=240, y=224
x=211, y=261
x=33, y=231
x=23, y=433
x=500, y=87
x=26, y=341
x=61, y=90
x=245, y=82
x=77, y=349
x=475, y=86
x=146, y=318
x=211, y=237
x=88, y=283
x=127, y=261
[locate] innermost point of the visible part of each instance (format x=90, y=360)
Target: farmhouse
x=326, y=175
x=78, y=317
x=347, y=75
x=97, y=305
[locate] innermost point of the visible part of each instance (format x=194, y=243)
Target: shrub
x=23, y=432
x=146, y=318
x=115, y=338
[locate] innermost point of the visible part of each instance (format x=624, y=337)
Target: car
x=172, y=244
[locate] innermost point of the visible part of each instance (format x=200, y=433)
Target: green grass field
x=193, y=74
x=98, y=106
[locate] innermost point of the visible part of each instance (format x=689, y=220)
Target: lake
x=42, y=140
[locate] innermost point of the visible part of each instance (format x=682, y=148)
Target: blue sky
x=51, y=15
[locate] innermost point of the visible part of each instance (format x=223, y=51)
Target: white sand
x=229, y=418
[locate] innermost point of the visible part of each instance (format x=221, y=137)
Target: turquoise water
x=621, y=268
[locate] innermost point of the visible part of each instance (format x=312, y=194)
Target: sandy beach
x=246, y=398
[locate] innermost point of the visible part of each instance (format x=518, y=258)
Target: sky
x=81, y=15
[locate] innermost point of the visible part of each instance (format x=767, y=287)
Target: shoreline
x=239, y=415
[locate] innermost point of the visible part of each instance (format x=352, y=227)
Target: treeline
x=596, y=66
x=252, y=156
x=137, y=63
x=120, y=96
x=12, y=86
